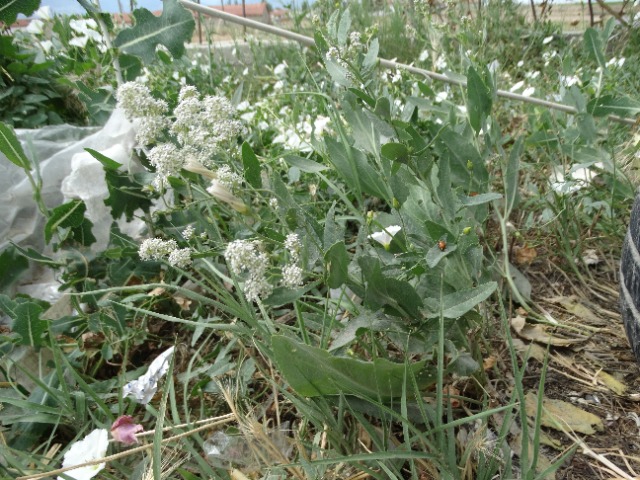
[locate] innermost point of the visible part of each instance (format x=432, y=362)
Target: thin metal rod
x=309, y=42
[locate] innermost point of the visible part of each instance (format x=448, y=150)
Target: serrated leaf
x=251, y=166
x=172, y=29
x=9, y=9
x=67, y=215
x=313, y=372
x=10, y=146
x=29, y=325
x=125, y=195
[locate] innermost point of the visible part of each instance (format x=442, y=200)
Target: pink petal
x=124, y=430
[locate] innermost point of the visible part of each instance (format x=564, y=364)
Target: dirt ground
x=576, y=16
x=590, y=369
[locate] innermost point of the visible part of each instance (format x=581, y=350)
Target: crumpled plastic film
x=54, y=148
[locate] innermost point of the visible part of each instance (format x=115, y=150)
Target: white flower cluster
x=228, y=178
x=140, y=106
x=158, y=249
x=204, y=124
x=168, y=160
x=246, y=256
x=292, y=273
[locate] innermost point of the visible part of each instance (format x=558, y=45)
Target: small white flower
x=528, y=91
x=180, y=258
x=188, y=232
x=520, y=64
x=384, y=237
x=293, y=245
x=273, y=203
x=156, y=248
x=280, y=69
x=291, y=276
x=44, y=13
x=92, y=447
x=547, y=40
x=517, y=86
x=423, y=55
x=144, y=388
x=441, y=97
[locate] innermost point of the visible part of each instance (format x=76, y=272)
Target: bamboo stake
x=309, y=42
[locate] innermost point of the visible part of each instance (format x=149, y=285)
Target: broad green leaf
x=337, y=264
x=480, y=199
x=465, y=162
x=106, y=162
x=251, y=166
x=339, y=157
x=333, y=231
x=126, y=195
x=32, y=254
x=479, y=99
x=399, y=296
x=367, y=321
x=28, y=324
x=338, y=73
x=371, y=181
x=283, y=296
x=610, y=105
x=304, y=164
x=594, y=47
x=10, y=146
x=343, y=27
x=371, y=57
x=435, y=253
x=315, y=372
x=458, y=303
x=172, y=29
x=397, y=152
x=12, y=264
x=9, y=9
x=68, y=215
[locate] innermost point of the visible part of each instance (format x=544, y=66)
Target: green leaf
x=28, y=324
x=304, y=164
x=343, y=27
x=31, y=254
x=479, y=99
x=399, y=296
x=593, y=45
x=337, y=265
x=610, y=105
x=480, y=199
x=12, y=264
x=511, y=177
x=338, y=73
x=396, y=152
x=172, y=29
x=104, y=160
x=339, y=157
x=371, y=57
x=9, y=9
x=367, y=321
x=70, y=216
x=315, y=372
x=333, y=231
x=251, y=166
x=283, y=296
x=10, y=146
x=126, y=195
x=458, y=303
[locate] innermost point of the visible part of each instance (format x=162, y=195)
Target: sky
x=71, y=6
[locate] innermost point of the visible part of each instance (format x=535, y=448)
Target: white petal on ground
x=92, y=447
x=144, y=388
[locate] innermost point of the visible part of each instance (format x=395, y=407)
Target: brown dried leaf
x=543, y=462
x=156, y=292
x=524, y=255
x=612, y=383
x=563, y=416
x=183, y=303
x=538, y=333
x=530, y=350
x=572, y=305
